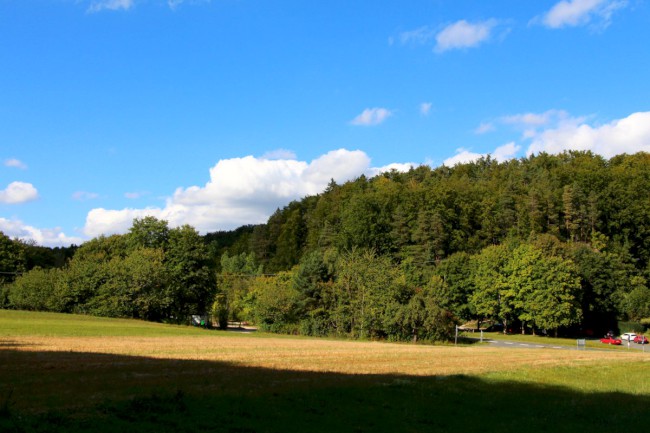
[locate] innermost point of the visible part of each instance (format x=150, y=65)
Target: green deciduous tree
x=274, y=303
x=492, y=297
x=545, y=289
x=191, y=285
x=35, y=290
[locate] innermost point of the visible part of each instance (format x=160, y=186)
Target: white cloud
x=628, y=135
x=420, y=36
x=135, y=194
x=173, y=4
x=463, y=34
x=425, y=108
x=15, y=163
x=572, y=13
x=462, y=156
x=533, y=119
x=102, y=221
x=46, y=237
x=371, y=117
x=505, y=152
x=242, y=191
x=403, y=167
x=501, y=153
x=484, y=128
x=532, y=123
x=18, y=192
x=111, y=5
x=84, y=195
x=115, y=5
x=279, y=154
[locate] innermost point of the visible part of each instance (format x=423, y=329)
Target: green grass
x=38, y=324
x=144, y=394
x=593, y=343
x=25, y=323
x=352, y=404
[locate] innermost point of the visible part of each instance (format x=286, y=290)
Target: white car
x=628, y=336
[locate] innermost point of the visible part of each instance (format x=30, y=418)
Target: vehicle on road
x=641, y=339
x=611, y=340
x=628, y=336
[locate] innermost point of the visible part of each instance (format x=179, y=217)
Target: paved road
x=517, y=344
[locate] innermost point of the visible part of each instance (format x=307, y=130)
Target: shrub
x=637, y=327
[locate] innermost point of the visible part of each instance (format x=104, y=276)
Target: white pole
x=456, y=338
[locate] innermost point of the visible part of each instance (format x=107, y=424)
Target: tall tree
x=493, y=297
x=149, y=232
x=192, y=283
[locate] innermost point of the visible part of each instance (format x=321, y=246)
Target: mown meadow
x=69, y=373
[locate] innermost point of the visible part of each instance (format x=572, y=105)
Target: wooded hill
x=429, y=214
x=544, y=243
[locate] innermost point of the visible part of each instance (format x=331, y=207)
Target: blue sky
x=214, y=113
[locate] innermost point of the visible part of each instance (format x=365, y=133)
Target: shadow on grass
x=88, y=392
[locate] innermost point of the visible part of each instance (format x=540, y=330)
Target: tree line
x=152, y=273
x=545, y=243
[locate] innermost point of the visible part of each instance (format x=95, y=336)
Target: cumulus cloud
x=18, y=192
x=111, y=5
x=102, y=221
x=371, y=117
x=15, y=163
x=505, y=152
x=572, y=13
x=46, y=237
x=628, y=135
x=242, y=191
x=501, y=153
x=425, y=108
x=532, y=123
x=403, y=167
x=462, y=156
x=463, y=34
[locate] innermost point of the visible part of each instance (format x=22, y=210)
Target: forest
x=549, y=244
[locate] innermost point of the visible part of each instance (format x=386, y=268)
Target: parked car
x=611, y=340
x=641, y=339
x=628, y=336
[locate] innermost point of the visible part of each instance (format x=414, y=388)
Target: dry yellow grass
x=58, y=372
x=315, y=355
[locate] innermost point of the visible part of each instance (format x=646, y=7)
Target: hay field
x=320, y=355
x=128, y=375
x=62, y=372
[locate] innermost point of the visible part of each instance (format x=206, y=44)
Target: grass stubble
x=233, y=382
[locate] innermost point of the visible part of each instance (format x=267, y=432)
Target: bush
x=645, y=322
x=637, y=327
x=34, y=290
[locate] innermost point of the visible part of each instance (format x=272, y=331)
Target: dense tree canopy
x=151, y=273
x=543, y=243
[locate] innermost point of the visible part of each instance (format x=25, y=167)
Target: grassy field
x=76, y=373
x=593, y=342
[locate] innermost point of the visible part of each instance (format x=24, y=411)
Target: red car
x=640, y=339
x=611, y=340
